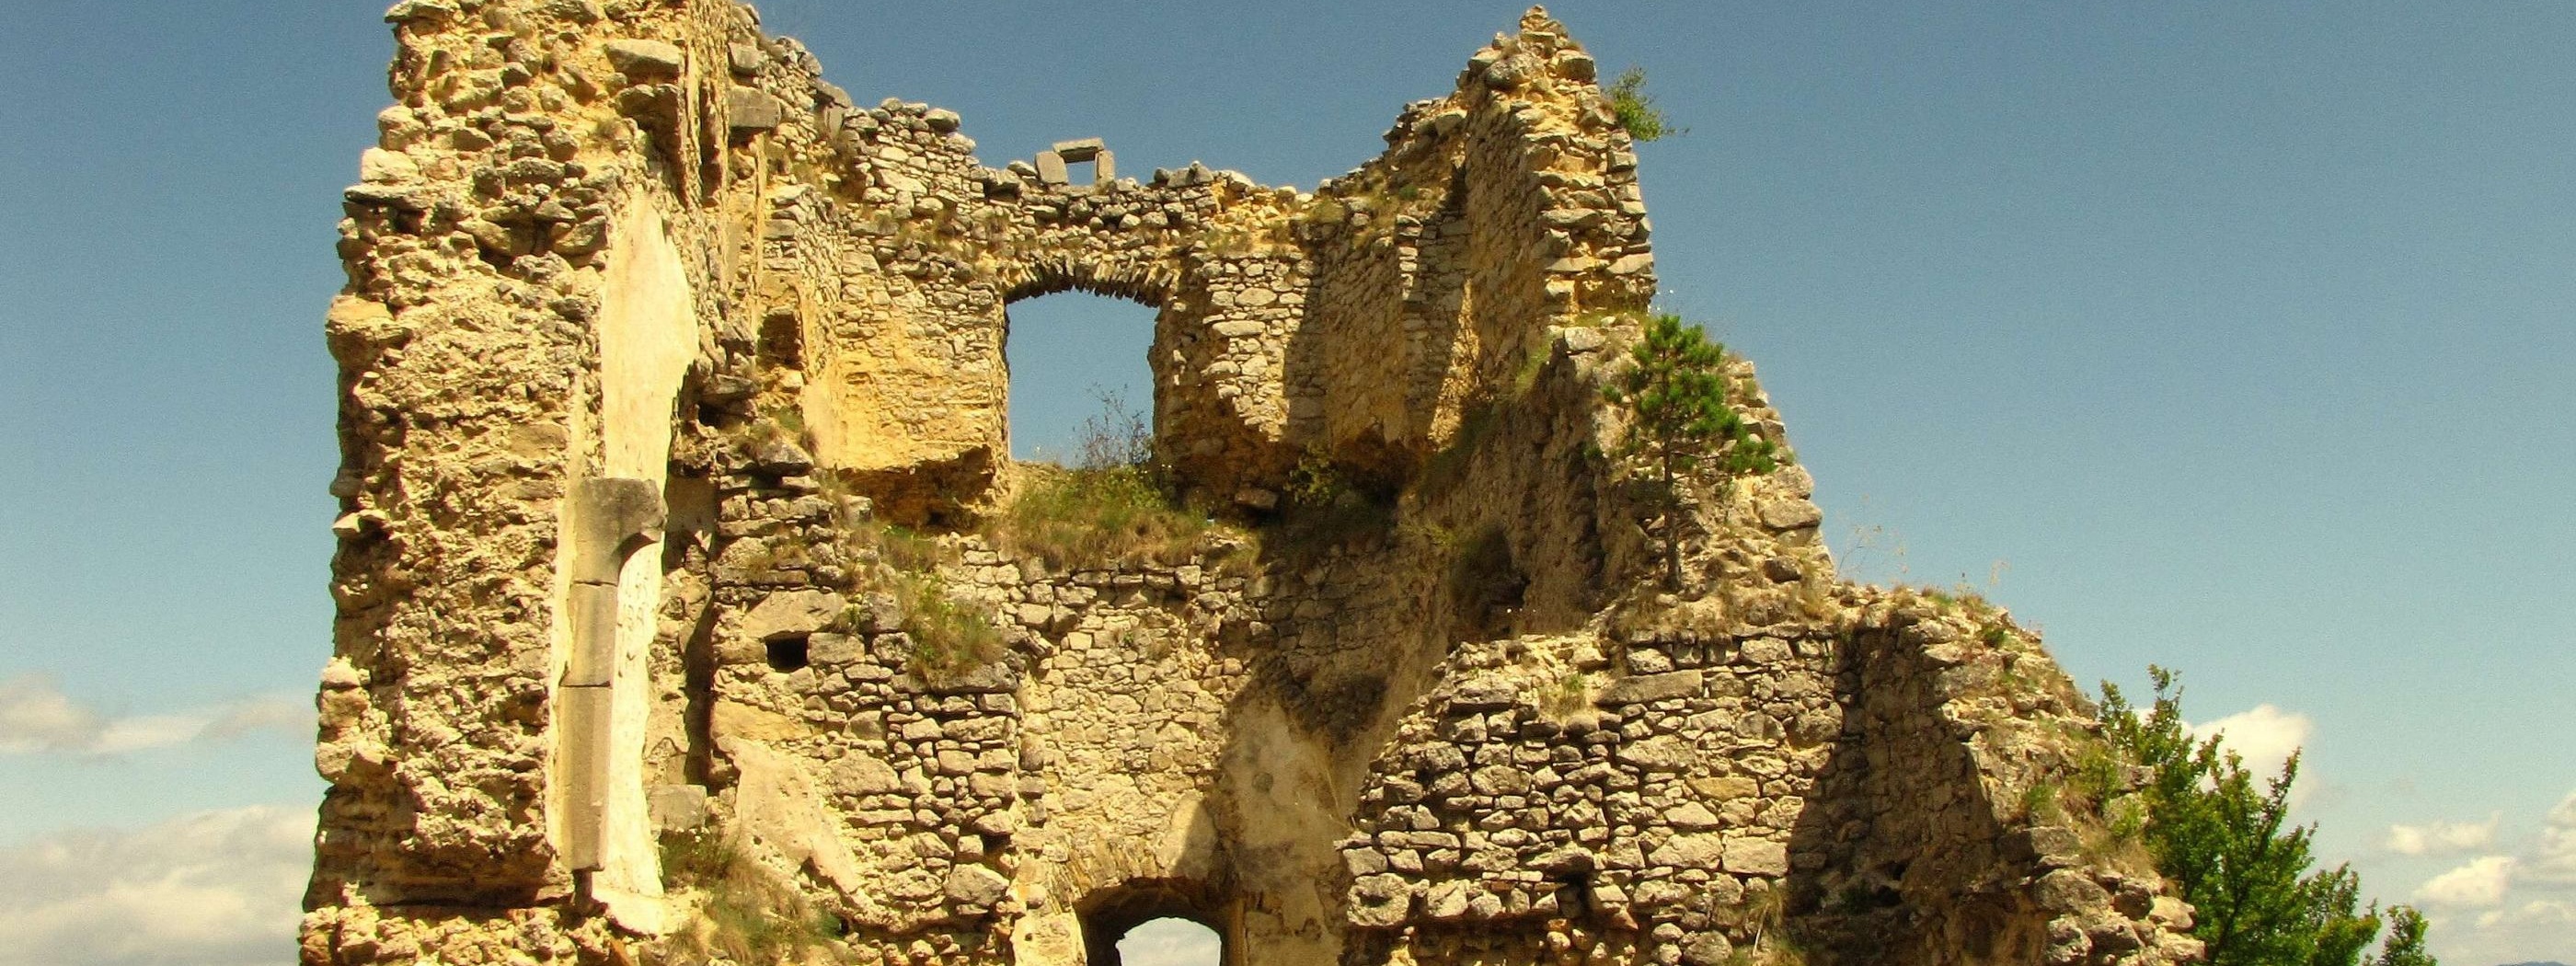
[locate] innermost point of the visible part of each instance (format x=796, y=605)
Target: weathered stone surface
x=975, y=886
x=1662, y=753
x=644, y=59
x=1695, y=851
x=1749, y=856
x=1417, y=693
x=1790, y=514
x=750, y=109
x=792, y=612
x=678, y=807
x=1643, y=688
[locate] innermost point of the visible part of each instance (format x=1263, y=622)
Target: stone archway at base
x=1108, y=914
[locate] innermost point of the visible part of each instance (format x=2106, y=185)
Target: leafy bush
x=1322, y=506
x=2228, y=847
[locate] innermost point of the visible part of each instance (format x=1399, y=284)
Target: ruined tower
x=672, y=419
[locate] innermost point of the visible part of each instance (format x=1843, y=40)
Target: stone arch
x=1206, y=439
x=1108, y=914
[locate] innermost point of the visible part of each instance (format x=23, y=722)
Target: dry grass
x=746, y=913
x=1092, y=518
x=949, y=639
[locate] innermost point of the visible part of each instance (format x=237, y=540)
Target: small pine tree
x=1674, y=391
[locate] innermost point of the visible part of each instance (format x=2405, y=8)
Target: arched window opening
x=1170, y=942
x=1071, y=356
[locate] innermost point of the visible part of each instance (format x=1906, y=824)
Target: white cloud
x=1169, y=942
x=2553, y=862
x=2530, y=932
x=2478, y=885
x=2442, y=838
x=210, y=889
x=2265, y=737
x=36, y=717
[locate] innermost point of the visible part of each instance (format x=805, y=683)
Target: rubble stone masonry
x=650, y=331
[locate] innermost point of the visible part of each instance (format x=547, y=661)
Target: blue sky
x=2242, y=336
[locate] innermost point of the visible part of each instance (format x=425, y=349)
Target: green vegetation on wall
x=1636, y=108
x=1673, y=392
x=2229, y=848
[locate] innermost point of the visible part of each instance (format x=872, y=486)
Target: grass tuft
x=746, y=913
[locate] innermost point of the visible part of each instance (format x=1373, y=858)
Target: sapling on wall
x=1674, y=393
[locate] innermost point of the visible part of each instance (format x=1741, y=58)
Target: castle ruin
x=658, y=352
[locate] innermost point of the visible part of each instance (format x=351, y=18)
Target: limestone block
x=1790, y=514
x=611, y=517
x=975, y=886
x=775, y=801
x=2070, y=890
x=834, y=650
x=1483, y=696
x=677, y=807
x=1687, y=851
x=1447, y=901
x=581, y=726
x=1661, y=753
x=379, y=166
x=859, y=773
x=1708, y=948
x=1381, y=901
x=995, y=678
x=1642, y=688
x=645, y=59
x=1692, y=816
x=592, y=658
x=1051, y=169
x=789, y=612
x=1752, y=856
x=738, y=720
x=751, y=110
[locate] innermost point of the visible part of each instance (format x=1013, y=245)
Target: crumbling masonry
x=645, y=321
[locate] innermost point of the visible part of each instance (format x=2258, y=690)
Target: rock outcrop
x=672, y=403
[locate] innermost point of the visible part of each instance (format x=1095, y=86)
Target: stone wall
x=654, y=342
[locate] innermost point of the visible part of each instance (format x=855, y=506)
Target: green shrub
x=2222, y=835
x=1569, y=695
x=784, y=422
x=1636, y=108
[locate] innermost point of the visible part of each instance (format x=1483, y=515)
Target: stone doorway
x=1170, y=942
